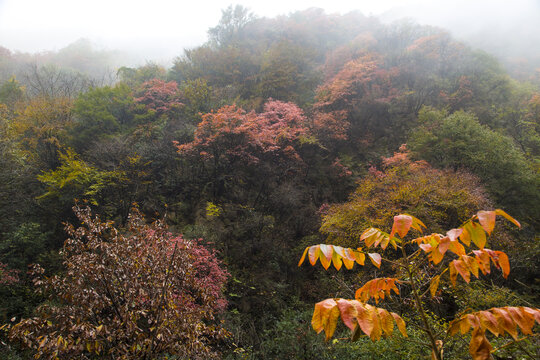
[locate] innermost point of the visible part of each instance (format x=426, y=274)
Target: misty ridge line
x=97, y=65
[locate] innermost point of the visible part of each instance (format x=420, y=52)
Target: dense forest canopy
x=168, y=207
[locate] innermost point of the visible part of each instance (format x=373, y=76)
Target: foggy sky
x=160, y=29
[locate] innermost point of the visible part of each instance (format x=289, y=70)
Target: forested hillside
x=168, y=208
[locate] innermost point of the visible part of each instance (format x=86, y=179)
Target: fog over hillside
x=161, y=29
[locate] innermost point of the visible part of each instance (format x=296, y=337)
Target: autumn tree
x=363, y=90
x=445, y=198
x=159, y=96
x=134, y=293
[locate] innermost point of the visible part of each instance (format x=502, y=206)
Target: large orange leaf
x=479, y=347
x=387, y=321
x=402, y=224
x=522, y=319
x=487, y=220
x=348, y=313
x=325, y=317
x=489, y=321
x=400, y=324
x=365, y=319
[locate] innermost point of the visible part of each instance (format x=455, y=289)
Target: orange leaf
x=387, y=322
x=522, y=319
x=504, y=263
x=434, y=285
x=465, y=236
x=453, y=273
x=505, y=321
x=425, y=247
x=457, y=248
x=402, y=224
x=535, y=313
x=348, y=313
x=444, y=244
x=462, y=270
x=471, y=264
x=482, y=258
x=436, y=256
x=508, y=217
x=303, y=256
x=479, y=347
x=487, y=220
x=313, y=254
x=364, y=318
x=400, y=324
x=376, y=333
x=488, y=321
x=325, y=317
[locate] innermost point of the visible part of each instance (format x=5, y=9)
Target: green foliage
x=23, y=246
x=292, y=338
x=134, y=77
x=459, y=141
x=101, y=112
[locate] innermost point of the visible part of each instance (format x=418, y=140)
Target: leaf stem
x=419, y=306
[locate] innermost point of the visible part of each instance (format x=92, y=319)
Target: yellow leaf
x=303, y=256
x=434, y=285
x=387, y=323
x=508, y=217
x=478, y=236
x=400, y=324
x=321, y=314
x=360, y=258
x=313, y=254
x=336, y=260
x=453, y=273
